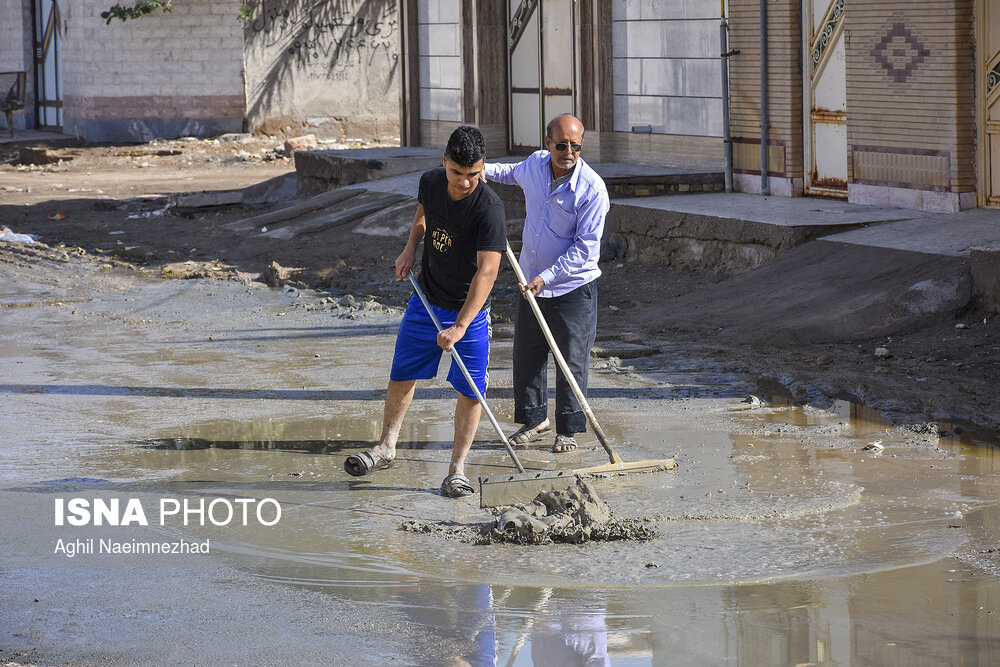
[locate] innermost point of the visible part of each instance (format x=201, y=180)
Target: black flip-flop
x=366, y=462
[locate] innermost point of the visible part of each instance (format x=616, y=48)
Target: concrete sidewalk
x=774, y=223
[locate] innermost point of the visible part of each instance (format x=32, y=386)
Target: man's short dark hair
x=466, y=146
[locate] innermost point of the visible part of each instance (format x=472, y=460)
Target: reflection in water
x=565, y=635
x=503, y=625
x=879, y=619
x=778, y=570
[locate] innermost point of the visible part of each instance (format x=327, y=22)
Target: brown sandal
x=522, y=435
x=564, y=443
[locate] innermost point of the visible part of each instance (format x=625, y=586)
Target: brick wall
x=167, y=70
x=911, y=94
x=15, y=20
x=784, y=89
x=911, y=129
x=15, y=54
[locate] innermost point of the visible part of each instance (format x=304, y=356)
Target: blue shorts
x=418, y=355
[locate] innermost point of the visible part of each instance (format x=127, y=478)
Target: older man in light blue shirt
x=566, y=203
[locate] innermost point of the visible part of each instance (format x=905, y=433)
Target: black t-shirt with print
x=456, y=231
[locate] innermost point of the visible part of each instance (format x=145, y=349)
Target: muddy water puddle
x=783, y=540
x=786, y=535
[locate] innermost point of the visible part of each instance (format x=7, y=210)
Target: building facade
x=891, y=104
x=876, y=103
x=643, y=76
x=329, y=66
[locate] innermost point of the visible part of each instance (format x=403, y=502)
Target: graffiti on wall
x=323, y=58
x=330, y=36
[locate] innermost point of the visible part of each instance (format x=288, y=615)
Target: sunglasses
x=562, y=145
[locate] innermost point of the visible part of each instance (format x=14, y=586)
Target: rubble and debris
x=192, y=269
x=277, y=275
x=575, y=515
x=304, y=143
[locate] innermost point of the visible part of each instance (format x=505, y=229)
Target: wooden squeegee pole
x=560, y=361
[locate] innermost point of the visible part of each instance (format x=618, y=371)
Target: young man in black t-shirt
x=461, y=222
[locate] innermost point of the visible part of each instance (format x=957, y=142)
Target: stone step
x=358, y=206
x=319, y=201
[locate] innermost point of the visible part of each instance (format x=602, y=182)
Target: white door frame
x=530, y=19
x=816, y=53
x=987, y=71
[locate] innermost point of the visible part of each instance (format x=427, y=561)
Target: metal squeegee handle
x=560, y=361
x=468, y=377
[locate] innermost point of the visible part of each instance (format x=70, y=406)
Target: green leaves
x=143, y=7
x=140, y=9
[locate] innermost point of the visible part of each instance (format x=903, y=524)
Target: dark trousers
x=572, y=318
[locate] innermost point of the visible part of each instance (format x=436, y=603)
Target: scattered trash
x=961, y=325
x=59, y=215
x=875, y=446
x=11, y=237
x=882, y=353
x=150, y=214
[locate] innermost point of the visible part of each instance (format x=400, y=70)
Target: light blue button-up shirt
x=562, y=228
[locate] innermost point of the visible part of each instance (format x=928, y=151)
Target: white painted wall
x=666, y=66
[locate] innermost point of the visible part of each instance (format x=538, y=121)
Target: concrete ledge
x=142, y=130
x=707, y=232
x=321, y=170
x=920, y=200
x=701, y=241
x=985, y=266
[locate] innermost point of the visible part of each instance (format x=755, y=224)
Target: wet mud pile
x=576, y=515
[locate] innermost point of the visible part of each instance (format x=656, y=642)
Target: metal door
x=541, y=48
x=48, y=66
x=825, y=105
x=989, y=77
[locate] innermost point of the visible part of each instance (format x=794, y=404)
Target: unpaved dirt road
x=785, y=536
x=804, y=350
